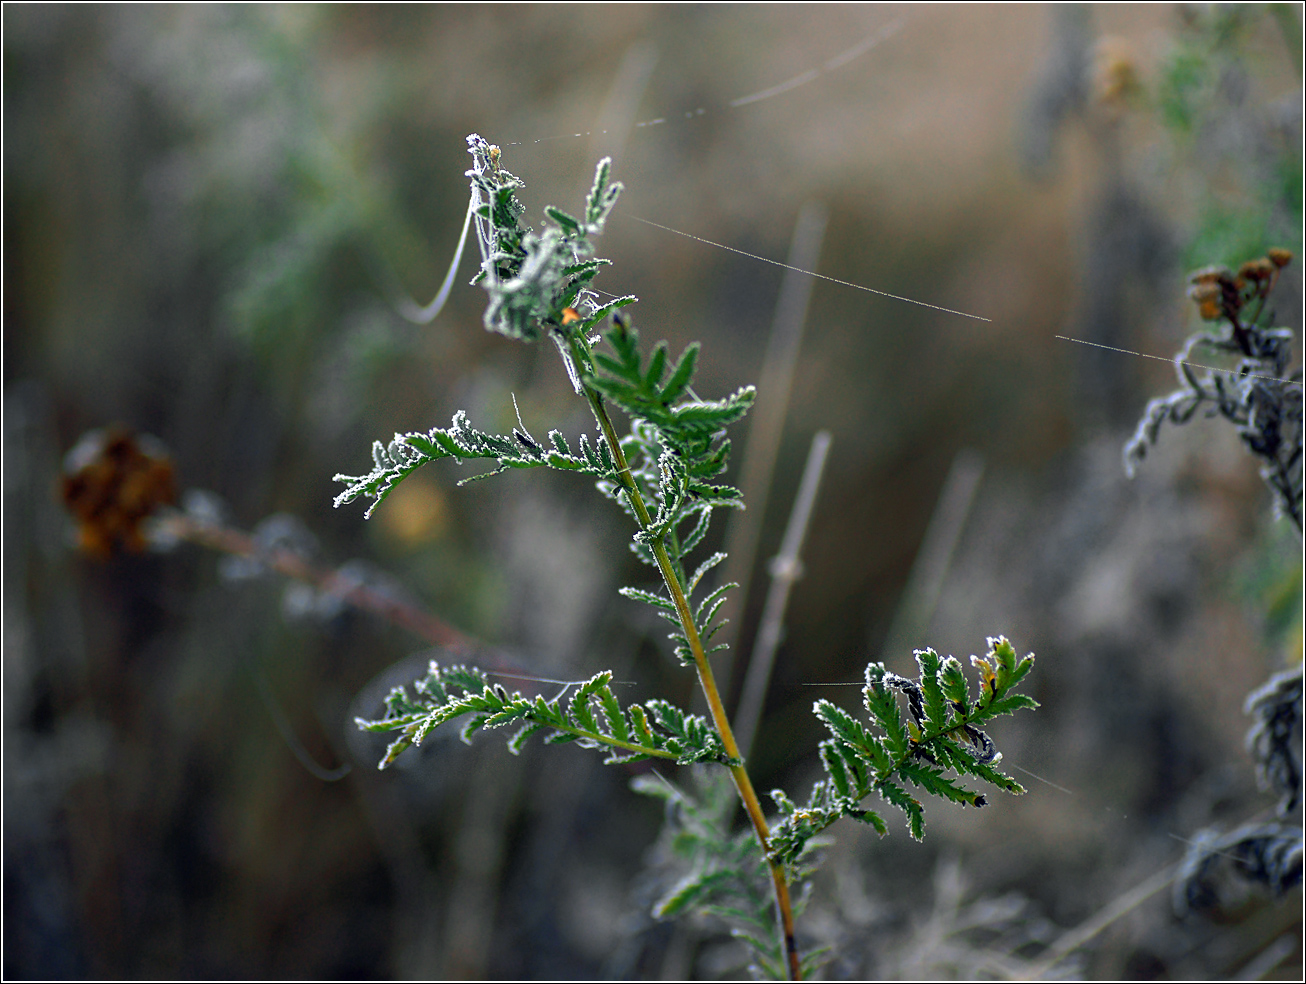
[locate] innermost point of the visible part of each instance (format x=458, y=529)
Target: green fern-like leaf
x=882, y=705
x=704, y=615
x=675, y=444
x=593, y=717
x=942, y=736
x=712, y=872
x=689, y=891
x=934, y=703
x=461, y=441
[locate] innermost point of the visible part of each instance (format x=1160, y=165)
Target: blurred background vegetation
x=202, y=207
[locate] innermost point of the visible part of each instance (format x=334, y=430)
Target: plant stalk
x=706, y=678
x=238, y=543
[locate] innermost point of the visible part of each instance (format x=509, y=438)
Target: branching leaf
x=702, y=569
x=690, y=891
x=941, y=737
x=461, y=441
x=649, y=598
x=448, y=693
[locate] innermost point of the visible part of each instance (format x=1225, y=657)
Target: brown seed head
x=1278, y=256
x=1257, y=270
x=111, y=483
x=1207, y=297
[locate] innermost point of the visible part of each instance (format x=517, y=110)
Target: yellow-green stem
x=705, y=677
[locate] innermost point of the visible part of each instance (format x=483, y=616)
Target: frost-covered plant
x=665, y=474
x=1264, y=402
x=1259, y=396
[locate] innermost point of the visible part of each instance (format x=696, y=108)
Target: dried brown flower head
x=1207, y=298
x=112, y=482
x=1218, y=293
x=1258, y=270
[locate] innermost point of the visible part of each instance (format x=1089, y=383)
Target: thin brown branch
x=397, y=611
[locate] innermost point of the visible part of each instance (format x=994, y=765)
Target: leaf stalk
x=706, y=679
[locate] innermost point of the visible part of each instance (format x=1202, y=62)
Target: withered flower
x=1216, y=292
x=1207, y=298
x=112, y=482
x=1258, y=270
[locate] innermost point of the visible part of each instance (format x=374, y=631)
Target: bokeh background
x=205, y=211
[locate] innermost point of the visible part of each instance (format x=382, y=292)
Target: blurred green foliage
x=1203, y=98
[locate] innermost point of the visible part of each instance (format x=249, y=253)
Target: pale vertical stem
x=786, y=568
x=767, y=416
x=920, y=596
x=617, y=117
